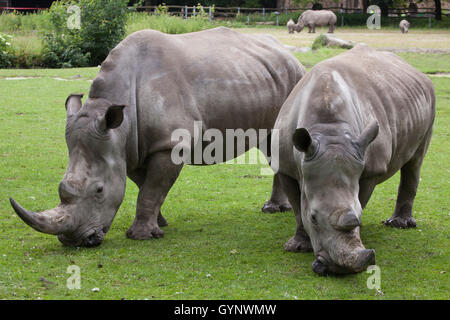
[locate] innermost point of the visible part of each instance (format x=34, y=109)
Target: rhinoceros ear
x=73, y=103
x=368, y=135
x=112, y=119
x=303, y=142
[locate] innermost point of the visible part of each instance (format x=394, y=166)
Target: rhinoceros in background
x=291, y=26
x=313, y=18
x=351, y=123
x=150, y=85
x=404, y=26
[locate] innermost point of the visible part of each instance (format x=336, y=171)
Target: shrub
x=102, y=26
x=319, y=42
x=166, y=23
x=6, y=52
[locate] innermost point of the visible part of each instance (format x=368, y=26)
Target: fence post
x=278, y=21
x=193, y=10
x=239, y=10
x=342, y=20
x=264, y=12
x=185, y=12
x=429, y=22
x=248, y=20
x=210, y=14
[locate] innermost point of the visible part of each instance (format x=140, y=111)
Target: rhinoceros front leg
x=138, y=177
x=300, y=241
x=278, y=201
x=160, y=176
x=409, y=181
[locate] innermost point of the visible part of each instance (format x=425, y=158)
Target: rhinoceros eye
x=99, y=189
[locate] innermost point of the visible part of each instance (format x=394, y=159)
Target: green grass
x=218, y=244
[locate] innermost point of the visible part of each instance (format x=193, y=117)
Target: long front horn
x=53, y=221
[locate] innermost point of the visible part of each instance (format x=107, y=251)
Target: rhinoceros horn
x=54, y=221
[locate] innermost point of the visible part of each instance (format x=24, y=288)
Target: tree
x=437, y=10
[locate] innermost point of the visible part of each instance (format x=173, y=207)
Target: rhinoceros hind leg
x=278, y=201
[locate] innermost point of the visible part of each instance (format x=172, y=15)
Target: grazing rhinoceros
x=404, y=26
x=351, y=123
x=291, y=26
x=151, y=84
x=313, y=18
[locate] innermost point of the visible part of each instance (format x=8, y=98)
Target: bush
x=6, y=52
x=18, y=22
x=167, y=23
x=102, y=26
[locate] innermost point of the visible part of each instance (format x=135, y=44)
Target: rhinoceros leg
x=138, y=177
x=409, y=181
x=278, y=201
x=331, y=28
x=160, y=176
x=300, y=242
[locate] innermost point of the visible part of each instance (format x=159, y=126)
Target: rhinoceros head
x=299, y=26
x=331, y=167
x=93, y=186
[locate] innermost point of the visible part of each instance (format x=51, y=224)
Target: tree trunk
x=365, y=4
x=438, y=10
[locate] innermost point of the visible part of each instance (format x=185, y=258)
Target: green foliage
x=319, y=42
x=6, y=52
x=102, y=26
x=167, y=23
x=29, y=22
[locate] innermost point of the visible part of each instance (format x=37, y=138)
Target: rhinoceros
x=313, y=18
x=149, y=85
x=351, y=123
x=291, y=26
x=404, y=26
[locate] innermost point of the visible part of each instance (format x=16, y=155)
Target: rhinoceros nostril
x=93, y=240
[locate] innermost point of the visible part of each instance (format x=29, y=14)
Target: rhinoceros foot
x=162, y=221
x=270, y=207
x=400, y=222
x=144, y=232
x=296, y=244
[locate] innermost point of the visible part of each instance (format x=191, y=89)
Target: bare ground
x=423, y=41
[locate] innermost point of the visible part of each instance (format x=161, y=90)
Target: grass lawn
x=218, y=244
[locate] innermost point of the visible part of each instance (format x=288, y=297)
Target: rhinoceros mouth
x=324, y=265
x=90, y=238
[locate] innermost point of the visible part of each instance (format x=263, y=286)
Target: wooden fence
x=232, y=12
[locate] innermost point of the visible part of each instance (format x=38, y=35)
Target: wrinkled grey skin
x=148, y=86
x=313, y=18
x=404, y=26
x=351, y=123
x=291, y=26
